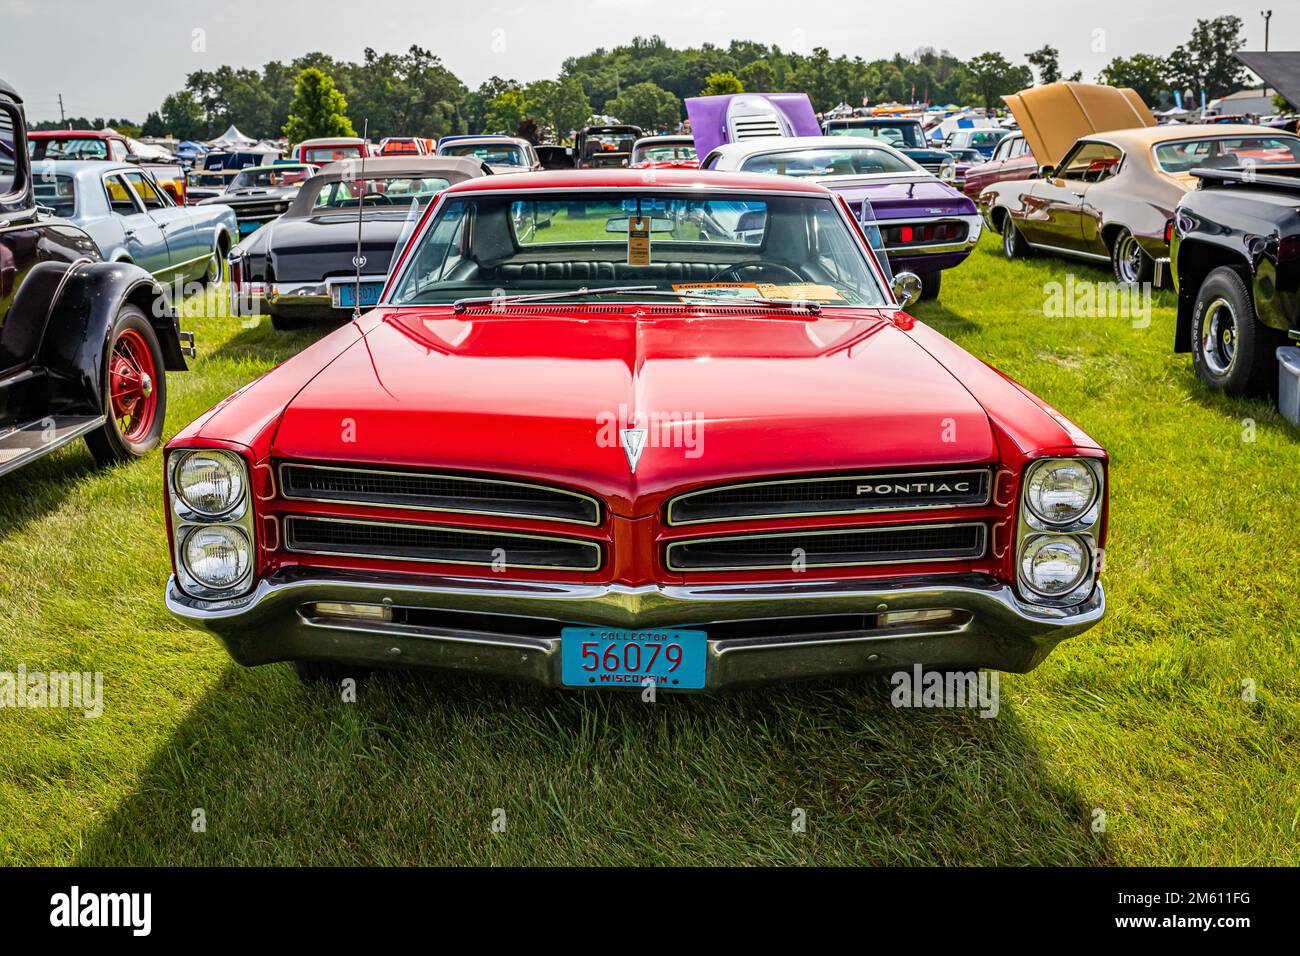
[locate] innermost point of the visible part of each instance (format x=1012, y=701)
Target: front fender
x=81, y=319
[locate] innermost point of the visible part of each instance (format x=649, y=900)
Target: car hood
x=320, y=246
x=256, y=194
x=1052, y=117
x=900, y=195
x=723, y=397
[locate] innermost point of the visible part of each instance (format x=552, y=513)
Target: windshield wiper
x=802, y=305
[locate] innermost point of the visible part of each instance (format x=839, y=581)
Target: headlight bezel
x=186, y=521
x=1072, y=593
x=1085, y=529
x=1085, y=519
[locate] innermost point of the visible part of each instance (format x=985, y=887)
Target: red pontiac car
x=629, y=427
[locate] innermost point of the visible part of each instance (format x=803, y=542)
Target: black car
x=259, y=194
x=84, y=344
x=301, y=267
x=602, y=147
x=220, y=168
x=1235, y=256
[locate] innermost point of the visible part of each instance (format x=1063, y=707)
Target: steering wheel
x=378, y=197
x=755, y=262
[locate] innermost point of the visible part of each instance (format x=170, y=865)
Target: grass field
x=1140, y=720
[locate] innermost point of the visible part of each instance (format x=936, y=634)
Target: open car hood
x=1052, y=117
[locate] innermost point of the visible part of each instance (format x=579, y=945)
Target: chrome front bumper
x=279, y=621
x=974, y=227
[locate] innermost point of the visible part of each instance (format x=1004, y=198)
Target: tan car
x=1111, y=177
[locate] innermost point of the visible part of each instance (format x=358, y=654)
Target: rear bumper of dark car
x=512, y=629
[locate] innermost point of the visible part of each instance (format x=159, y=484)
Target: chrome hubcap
x=1009, y=239
x=1129, y=259
x=1219, y=337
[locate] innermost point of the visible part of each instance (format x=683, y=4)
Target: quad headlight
x=1061, y=491
x=948, y=172
x=210, y=482
x=217, y=556
x=212, y=522
x=1054, y=565
x=1057, y=555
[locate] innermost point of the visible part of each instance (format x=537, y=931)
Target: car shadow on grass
x=435, y=769
x=1247, y=415
x=36, y=490
x=258, y=339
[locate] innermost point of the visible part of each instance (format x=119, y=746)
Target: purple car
x=925, y=226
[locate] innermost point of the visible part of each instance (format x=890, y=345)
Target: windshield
x=271, y=177
x=494, y=154
x=826, y=161
x=396, y=191
x=67, y=149
x=764, y=246
x=319, y=155
x=57, y=192
x=898, y=135
x=1227, y=152
x=678, y=153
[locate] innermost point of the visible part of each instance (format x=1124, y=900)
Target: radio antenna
x=359, y=260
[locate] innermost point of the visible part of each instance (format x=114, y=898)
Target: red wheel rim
x=132, y=386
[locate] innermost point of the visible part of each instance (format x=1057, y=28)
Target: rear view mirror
x=906, y=288
x=656, y=225
x=1046, y=172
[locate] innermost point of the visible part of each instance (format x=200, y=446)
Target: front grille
x=408, y=542
x=844, y=494
x=829, y=549
x=932, y=167
x=258, y=211
x=434, y=492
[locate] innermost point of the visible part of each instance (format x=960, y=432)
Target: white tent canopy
x=232, y=139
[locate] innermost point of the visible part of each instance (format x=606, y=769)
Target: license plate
x=601, y=657
x=246, y=227
x=369, y=293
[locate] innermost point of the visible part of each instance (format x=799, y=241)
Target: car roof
x=83, y=167
x=280, y=167
x=639, y=179
x=70, y=133
x=342, y=140
x=666, y=138
x=397, y=166
x=494, y=140
x=1142, y=136
x=771, y=144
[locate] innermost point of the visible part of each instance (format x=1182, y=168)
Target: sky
x=121, y=58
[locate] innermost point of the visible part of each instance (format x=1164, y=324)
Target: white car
x=505, y=154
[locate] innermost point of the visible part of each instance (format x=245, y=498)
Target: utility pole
x=61, y=119
x=1267, y=15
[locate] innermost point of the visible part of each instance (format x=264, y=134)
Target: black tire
x=931, y=283
x=287, y=323
x=115, y=441
x=1232, y=351
x=1014, y=245
x=328, y=672
x=215, y=272
x=1128, y=261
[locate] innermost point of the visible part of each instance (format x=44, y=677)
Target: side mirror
x=906, y=288
x=1046, y=172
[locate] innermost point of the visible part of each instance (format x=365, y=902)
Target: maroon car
x=1011, y=160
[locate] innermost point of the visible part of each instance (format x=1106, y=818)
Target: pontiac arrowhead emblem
x=633, y=442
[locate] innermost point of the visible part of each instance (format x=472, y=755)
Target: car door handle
x=1076, y=195
x=128, y=231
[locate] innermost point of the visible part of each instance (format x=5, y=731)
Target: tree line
x=643, y=82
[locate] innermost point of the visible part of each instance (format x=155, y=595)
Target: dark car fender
x=84, y=304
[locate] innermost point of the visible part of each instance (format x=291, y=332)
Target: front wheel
x=931, y=283
x=1131, y=264
x=135, y=391
x=1232, y=351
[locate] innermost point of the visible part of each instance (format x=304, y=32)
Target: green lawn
x=1141, y=718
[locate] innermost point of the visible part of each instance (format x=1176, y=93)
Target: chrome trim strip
x=419, y=474
x=987, y=470
x=289, y=521
x=785, y=565
x=1071, y=253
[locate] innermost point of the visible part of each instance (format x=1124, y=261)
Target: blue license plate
x=247, y=227
x=369, y=293
x=607, y=657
